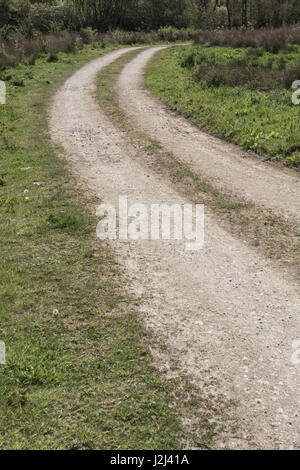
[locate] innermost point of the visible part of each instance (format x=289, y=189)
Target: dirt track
x=226, y=315
x=224, y=164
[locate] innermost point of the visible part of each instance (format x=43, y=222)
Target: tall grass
x=272, y=40
x=166, y=34
x=18, y=49
x=251, y=78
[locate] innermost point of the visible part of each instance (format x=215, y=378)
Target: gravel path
x=223, y=163
x=227, y=317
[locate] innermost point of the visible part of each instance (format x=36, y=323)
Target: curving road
x=251, y=178
x=226, y=316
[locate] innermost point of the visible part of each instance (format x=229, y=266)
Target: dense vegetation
x=31, y=28
x=52, y=16
x=242, y=94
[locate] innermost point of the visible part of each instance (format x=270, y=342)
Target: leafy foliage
x=52, y=16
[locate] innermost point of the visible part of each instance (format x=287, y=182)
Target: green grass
x=258, y=58
x=82, y=378
x=263, y=121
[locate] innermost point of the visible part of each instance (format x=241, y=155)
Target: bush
x=52, y=58
x=48, y=18
x=189, y=61
x=166, y=34
x=251, y=78
x=18, y=49
x=272, y=40
x=88, y=35
x=136, y=37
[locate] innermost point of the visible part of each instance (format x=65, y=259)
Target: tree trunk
x=245, y=13
x=228, y=13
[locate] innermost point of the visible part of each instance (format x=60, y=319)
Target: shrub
x=189, y=61
x=88, y=35
x=136, y=37
x=168, y=33
x=272, y=40
x=48, y=18
x=18, y=49
x=239, y=75
x=52, y=58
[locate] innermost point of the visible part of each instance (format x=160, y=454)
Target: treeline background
x=53, y=16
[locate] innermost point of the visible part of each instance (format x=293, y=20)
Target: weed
x=52, y=58
x=272, y=40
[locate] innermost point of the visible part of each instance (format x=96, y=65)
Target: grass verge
x=78, y=374
x=196, y=82
x=271, y=234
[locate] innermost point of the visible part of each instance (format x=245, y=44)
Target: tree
x=228, y=6
x=245, y=13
